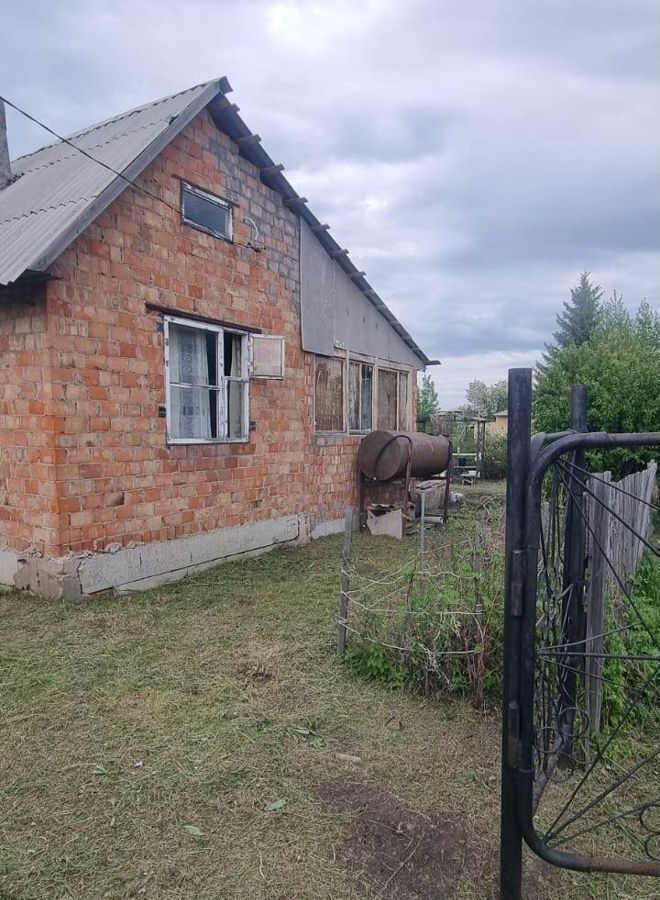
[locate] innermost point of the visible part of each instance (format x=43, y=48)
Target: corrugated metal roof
x=57, y=185
x=60, y=191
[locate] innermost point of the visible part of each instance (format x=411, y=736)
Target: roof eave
x=226, y=117
x=130, y=173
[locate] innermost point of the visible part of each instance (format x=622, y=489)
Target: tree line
x=599, y=343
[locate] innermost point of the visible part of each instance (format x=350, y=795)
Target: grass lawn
x=203, y=741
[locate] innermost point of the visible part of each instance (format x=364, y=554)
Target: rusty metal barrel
x=383, y=455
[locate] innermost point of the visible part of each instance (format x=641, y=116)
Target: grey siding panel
x=336, y=314
x=317, y=294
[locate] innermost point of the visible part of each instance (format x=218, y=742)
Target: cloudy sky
x=474, y=157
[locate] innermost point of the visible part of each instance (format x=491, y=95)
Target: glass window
x=360, y=393
x=205, y=211
x=387, y=400
x=207, y=383
x=328, y=394
x=235, y=373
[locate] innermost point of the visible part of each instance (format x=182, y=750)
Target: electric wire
x=104, y=165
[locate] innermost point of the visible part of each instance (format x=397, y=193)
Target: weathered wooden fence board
x=612, y=546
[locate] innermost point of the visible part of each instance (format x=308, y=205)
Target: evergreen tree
x=427, y=399
x=620, y=365
x=580, y=316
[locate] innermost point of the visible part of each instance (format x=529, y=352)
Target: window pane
x=190, y=352
x=387, y=396
x=191, y=416
x=403, y=401
x=206, y=213
x=233, y=354
x=360, y=387
x=366, y=394
x=329, y=394
x=235, y=409
x=354, y=396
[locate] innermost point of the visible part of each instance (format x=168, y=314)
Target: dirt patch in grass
x=256, y=671
x=397, y=851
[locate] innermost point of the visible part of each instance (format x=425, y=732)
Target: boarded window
x=387, y=400
x=205, y=211
x=403, y=401
x=360, y=392
x=329, y=394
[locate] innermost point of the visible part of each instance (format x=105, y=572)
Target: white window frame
x=352, y=360
x=222, y=381
x=211, y=198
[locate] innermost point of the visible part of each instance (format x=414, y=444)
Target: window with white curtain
x=207, y=382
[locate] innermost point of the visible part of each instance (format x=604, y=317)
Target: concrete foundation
x=8, y=567
x=149, y=565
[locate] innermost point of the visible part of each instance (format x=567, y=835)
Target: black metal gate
x=583, y=795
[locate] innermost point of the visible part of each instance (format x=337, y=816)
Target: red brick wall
x=116, y=480
x=333, y=475
x=28, y=501
x=85, y=461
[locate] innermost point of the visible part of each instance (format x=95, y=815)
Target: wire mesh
x=596, y=749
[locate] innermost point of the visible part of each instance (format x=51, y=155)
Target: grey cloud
x=473, y=157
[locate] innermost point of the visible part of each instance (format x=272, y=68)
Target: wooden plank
x=624, y=550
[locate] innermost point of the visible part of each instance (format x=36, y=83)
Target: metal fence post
x=422, y=531
x=342, y=624
x=518, y=447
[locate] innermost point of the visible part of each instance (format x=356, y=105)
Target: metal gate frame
x=528, y=458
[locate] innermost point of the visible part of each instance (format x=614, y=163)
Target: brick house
x=187, y=357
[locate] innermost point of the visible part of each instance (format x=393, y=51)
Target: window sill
x=330, y=436
x=202, y=442
x=228, y=239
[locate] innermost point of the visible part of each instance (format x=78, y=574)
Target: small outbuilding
x=499, y=424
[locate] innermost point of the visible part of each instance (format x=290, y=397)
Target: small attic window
x=205, y=211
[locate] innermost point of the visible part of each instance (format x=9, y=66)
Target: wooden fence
x=616, y=513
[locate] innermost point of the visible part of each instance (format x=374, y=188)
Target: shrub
x=495, y=457
x=626, y=679
x=440, y=640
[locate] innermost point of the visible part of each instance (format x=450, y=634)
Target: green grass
x=201, y=741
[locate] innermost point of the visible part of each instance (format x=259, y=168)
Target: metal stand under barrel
x=391, y=457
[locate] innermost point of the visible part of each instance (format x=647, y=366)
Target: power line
x=99, y=162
